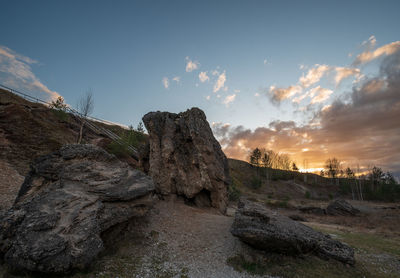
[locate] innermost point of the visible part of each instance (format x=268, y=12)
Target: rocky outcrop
x=341, y=207
x=267, y=230
x=185, y=158
x=67, y=200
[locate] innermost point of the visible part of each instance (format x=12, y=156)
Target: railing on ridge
x=88, y=121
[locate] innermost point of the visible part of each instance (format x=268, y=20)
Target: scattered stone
x=68, y=199
x=313, y=210
x=264, y=229
x=341, y=207
x=297, y=217
x=185, y=158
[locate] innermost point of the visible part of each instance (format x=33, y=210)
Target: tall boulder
x=264, y=229
x=186, y=159
x=67, y=200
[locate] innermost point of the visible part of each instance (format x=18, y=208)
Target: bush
x=256, y=182
x=61, y=115
x=308, y=195
x=233, y=192
x=128, y=138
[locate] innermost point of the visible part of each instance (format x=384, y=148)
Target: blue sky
x=123, y=50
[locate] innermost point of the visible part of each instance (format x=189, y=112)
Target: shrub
x=308, y=195
x=233, y=192
x=256, y=182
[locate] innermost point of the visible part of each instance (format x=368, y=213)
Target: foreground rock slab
x=341, y=207
x=67, y=200
x=267, y=230
x=185, y=158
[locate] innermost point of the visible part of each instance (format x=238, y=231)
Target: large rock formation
x=267, y=230
x=67, y=200
x=341, y=207
x=186, y=159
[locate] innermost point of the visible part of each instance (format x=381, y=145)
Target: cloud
x=177, y=79
x=191, y=65
x=208, y=97
x=369, y=55
x=220, y=82
x=343, y=73
x=360, y=129
x=313, y=75
x=16, y=72
x=265, y=61
x=236, y=91
x=279, y=94
x=203, y=77
x=319, y=94
x=165, y=82
x=229, y=99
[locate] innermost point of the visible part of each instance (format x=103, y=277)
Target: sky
x=313, y=79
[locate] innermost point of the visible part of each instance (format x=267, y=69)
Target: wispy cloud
x=319, y=94
x=220, y=82
x=191, y=65
x=313, y=75
x=229, y=99
x=165, y=82
x=203, y=76
x=16, y=71
x=177, y=79
x=279, y=94
x=343, y=73
x=369, y=55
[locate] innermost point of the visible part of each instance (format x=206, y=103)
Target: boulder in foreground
x=67, y=200
x=186, y=159
x=267, y=230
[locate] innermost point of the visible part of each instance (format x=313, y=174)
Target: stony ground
x=177, y=240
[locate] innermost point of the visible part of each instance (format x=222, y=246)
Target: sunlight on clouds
x=319, y=94
x=220, y=82
x=165, y=82
x=203, y=76
x=177, y=79
x=343, y=73
x=279, y=94
x=229, y=99
x=313, y=75
x=191, y=65
x=368, y=56
x=17, y=72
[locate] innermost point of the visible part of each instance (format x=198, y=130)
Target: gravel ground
x=185, y=241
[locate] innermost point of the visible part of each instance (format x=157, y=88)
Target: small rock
x=341, y=207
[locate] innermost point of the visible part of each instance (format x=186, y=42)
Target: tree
x=322, y=173
x=332, y=166
x=349, y=173
x=255, y=157
x=389, y=179
x=294, y=167
x=140, y=127
x=58, y=104
x=85, y=108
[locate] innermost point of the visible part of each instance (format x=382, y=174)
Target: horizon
x=325, y=83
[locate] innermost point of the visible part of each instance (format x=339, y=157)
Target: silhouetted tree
x=255, y=157
x=332, y=166
x=294, y=167
x=140, y=127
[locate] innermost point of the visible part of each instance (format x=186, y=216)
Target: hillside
x=29, y=130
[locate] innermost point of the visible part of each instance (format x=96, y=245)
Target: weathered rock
x=313, y=210
x=267, y=230
x=341, y=207
x=185, y=158
x=67, y=200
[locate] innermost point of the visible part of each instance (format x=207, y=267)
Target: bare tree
x=85, y=108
